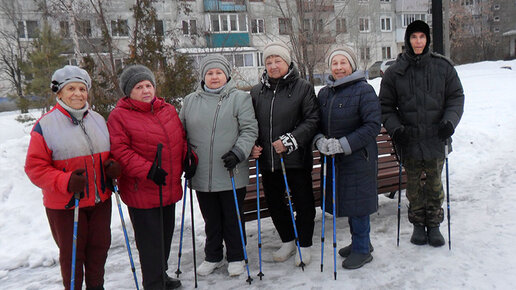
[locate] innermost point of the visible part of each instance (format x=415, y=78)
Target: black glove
x=157, y=175
x=401, y=136
x=190, y=163
x=77, y=181
x=230, y=160
x=445, y=130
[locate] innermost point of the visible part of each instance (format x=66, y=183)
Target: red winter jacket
x=135, y=129
x=59, y=144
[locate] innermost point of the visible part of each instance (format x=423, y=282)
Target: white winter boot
x=286, y=250
x=236, y=268
x=207, y=267
x=305, y=254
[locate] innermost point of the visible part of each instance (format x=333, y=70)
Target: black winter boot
x=419, y=236
x=344, y=252
x=356, y=260
x=435, y=238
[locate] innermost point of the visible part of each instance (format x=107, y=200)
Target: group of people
x=73, y=154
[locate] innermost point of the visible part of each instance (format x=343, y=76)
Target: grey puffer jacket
x=417, y=93
x=216, y=124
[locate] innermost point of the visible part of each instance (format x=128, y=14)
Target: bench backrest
x=388, y=177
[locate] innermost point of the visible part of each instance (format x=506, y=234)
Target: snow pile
x=482, y=182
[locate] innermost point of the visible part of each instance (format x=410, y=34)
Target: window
x=159, y=28
x=341, y=25
x=228, y=22
x=64, y=29
x=496, y=7
x=320, y=25
x=27, y=29
x=385, y=24
x=496, y=19
x=285, y=26
x=409, y=18
x=306, y=25
x=84, y=27
x=386, y=52
x=257, y=26
x=190, y=27
x=496, y=29
x=364, y=53
x=240, y=59
x=119, y=28
x=259, y=59
x=363, y=24
x=385, y=1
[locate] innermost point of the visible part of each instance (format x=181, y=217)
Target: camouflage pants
x=425, y=197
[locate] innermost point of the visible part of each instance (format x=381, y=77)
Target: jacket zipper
x=90, y=145
x=212, y=141
x=166, y=137
x=270, y=126
x=330, y=109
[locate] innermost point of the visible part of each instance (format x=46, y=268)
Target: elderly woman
x=137, y=125
x=221, y=127
x=69, y=153
x=350, y=122
x=288, y=113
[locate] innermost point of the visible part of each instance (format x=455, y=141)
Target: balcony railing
x=224, y=6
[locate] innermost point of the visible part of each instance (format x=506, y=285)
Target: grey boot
x=356, y=260
x=435, y=238
x=419, y=236
x=344, y=252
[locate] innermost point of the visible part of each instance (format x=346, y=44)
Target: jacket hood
x=292, y=74
x=417, y=26
x=130, y=104
x=356, y=76
x=229, y=87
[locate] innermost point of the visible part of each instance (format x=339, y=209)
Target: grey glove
x=334, y=147
x=322, y=145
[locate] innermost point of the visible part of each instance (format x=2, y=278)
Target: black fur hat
x=417, y=26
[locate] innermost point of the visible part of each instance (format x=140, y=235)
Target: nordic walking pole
x=291, y=211
x=323, y=210
x=178, y=271
x=115, y=186
x=334, y=214
x=193, y=235
x=249, y=279
x=77, y=196
x=158, y=159
x=399, y=199
x=447, y=193
x=258, y=218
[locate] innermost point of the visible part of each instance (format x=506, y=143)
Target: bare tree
x=470, y=34
x=13, y=51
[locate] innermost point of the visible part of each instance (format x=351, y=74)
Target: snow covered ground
x=482, y=185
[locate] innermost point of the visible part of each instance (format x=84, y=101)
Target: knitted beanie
x=277, y=48
x=134, y=74
x=215, y=61
x=69, y=74
x=347, y=52
x=417, y=26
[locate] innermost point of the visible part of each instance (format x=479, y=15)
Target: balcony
x=227, y=39
x=224, y=6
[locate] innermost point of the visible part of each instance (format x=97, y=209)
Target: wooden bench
x=388, y=170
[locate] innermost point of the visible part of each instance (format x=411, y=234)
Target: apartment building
x=239, y=29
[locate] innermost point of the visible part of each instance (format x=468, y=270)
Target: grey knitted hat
x=134, y=74
x=69, y=74
x=277, y=48
x=215, y=61
x=347, y=52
